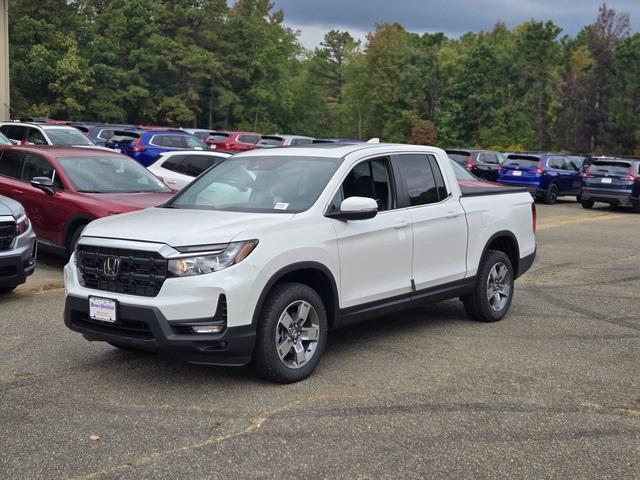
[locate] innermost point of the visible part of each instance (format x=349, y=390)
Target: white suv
x=24, y=133
x=262, y=254
x=178, y=169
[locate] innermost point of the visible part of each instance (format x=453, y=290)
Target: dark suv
x=615, y=181
x=482, y=163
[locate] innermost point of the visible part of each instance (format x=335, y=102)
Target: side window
x=158, y=140
x=174, y=163
x=419, y=179
x=10, y=163
x=191, y=142
x=14, y=132
x=194, y=165
x=571, y=166
x=557, y=163
x=490, y=158
x=371, y=179
x=105, y=134
x=37, y=166
x=36, y=137
x=301, y=141
x=437, y=175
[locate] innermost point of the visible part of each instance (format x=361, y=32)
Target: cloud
x=454, y=17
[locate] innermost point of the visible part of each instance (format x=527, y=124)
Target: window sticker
x=281, y=206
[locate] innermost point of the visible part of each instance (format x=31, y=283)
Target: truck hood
x=179, y=228
x=10, y=207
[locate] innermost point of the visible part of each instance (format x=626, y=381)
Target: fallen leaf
x=94, y=438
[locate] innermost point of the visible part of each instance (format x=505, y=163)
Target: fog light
x=207, y=328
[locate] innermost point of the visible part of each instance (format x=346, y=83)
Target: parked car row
x=548, y=176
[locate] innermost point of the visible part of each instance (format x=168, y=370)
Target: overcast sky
x=315, y=17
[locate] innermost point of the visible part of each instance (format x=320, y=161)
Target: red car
x=233, y=141
x=65, y=188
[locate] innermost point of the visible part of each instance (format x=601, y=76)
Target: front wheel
x=587, y=204
x=493, y=293
x=292, y=333
x=8, y=289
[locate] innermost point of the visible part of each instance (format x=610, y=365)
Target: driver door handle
x=400, y=223
x=452, y=214
x=18, y=191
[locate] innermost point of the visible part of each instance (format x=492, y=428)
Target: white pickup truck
x=264, y=253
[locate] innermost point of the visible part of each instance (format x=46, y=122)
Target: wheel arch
x=506, y=242
x=312, y=274
x=72, y=225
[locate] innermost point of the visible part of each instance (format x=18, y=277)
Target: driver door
x=375, y=254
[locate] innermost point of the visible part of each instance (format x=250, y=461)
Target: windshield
x=275, y=184
x=4, y=140
x=110, y=175
x=462, y=174
x=67, y=136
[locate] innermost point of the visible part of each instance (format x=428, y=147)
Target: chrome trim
x=161, y=248
x=8, y=218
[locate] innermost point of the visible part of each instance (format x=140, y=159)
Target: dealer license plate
x=606, y=180
x=517, y=173
x=102, y=309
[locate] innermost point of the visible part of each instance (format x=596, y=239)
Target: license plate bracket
x=103, y=309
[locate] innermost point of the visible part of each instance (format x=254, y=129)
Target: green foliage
x=220, y=64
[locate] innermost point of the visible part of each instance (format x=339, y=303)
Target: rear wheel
x=551, y=195
x=493, y=293
x=587, y=204
x=291, y=335
x=8, y=289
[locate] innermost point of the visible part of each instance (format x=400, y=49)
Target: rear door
x=438, y=222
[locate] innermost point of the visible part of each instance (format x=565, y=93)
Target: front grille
x=141, y=273
x=7, y=234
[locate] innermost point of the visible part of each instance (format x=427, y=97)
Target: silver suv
x=17, y=245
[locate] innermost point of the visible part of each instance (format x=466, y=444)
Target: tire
x=73, y=241
x=478, y=305
x=636, y=207
x=9, y=289
x=579, y=198
x=587, y=204
x=551, y=195
x=298, y=357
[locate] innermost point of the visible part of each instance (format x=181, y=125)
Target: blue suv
x=547, y=175
x=145, y=146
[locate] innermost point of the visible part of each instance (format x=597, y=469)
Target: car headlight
x=22, y=226
x=201, y=264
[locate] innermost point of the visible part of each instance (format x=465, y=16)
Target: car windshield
x=4, y=140
x=462, y=174
x=67, y=136
x=117, y=174
x=269, y=184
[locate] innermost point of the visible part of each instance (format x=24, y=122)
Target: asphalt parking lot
x=552, y=391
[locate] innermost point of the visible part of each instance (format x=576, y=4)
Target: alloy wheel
x=498, y=286
x=297, y=334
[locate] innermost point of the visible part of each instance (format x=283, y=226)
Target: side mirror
x=356, y=208
x=43, y=183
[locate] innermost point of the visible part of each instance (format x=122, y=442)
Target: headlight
x=201, y=264
x=22, y=226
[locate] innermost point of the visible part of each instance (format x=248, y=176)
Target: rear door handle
x=401, y=224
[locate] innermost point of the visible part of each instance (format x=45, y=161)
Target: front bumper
x=19, y=262
x=146, y=328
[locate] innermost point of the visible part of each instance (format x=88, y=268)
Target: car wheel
x=291, y=334
x=636, y=207
x=587, y=204
x=75, y=238
x=579, y=198
x=551, y=196
x=493, y=293
x=8, y=289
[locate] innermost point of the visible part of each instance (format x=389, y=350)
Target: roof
x=62, y=151
x=46, y=126
x=332, y=150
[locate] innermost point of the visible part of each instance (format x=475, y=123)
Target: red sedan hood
x=129, y=202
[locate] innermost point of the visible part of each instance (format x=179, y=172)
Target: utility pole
x=4, y=60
